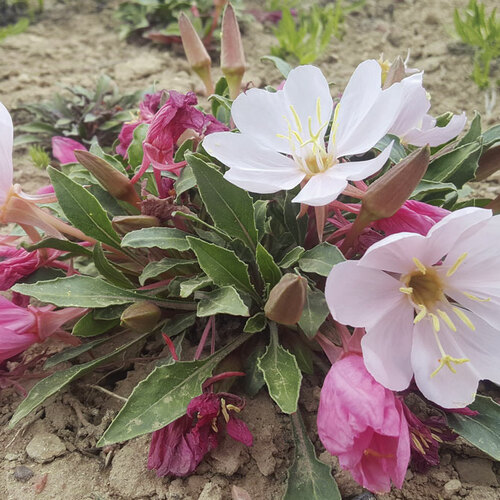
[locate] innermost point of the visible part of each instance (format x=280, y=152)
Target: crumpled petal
x=436, y=136
x=6, y=142
x=239, y=431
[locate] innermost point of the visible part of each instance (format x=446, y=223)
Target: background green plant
x=481, y=32
x=16, y=15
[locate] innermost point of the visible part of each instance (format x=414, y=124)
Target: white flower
x=430, y=306
x=413, y=125
x=6, y=141
x=282, y=139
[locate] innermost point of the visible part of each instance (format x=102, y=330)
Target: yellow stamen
x=214, y=425
x=418, y=444
x=296, y=118
x=419, y=265
x=465, y=319
x=477, y=299
x=406, y=289
x=455, y=266
x=318, y=110
x=233, y=408
x=435, y=322
x=447, y=320
x=447, y=360
x=421, y=315
x=436, y=437
x=224, y=409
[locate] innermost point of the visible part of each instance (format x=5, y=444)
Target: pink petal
x=239, y=431
x=63, y=149
x=14, y=343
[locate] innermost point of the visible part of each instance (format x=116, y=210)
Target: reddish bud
x=396, y=73
x=124, y=224
x=489, y=163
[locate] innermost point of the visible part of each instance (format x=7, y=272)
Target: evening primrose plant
x=293, y=235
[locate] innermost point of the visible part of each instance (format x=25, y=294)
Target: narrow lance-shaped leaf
x=308, y=478
x=108, y=270
x=82, y=209
x=267, y=267
x=166, y=238
x=163, y=396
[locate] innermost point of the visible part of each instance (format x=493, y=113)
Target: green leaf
x=314, y=313
x=256, y=323
x=82, y=209
x=222, y=266
x=166, y=238
x=185, y=182
x=57, y=244
x=134, y=151
x=432, y=189
x=291, y=258
x=281, y=373
x=297, y=227
x=173, y=266
x=474, y=130
x=267, y=267
x=191, y=285
x=260, y=208
x=230, y=207
x=253, y=380
x=308, y=478
x=88, y=326
x=108, y=270
x=491, y=136
x=55, y=382
x=163, y=396
x=282, y=66
x=320, y=259
x=483, y=430
x=179, y=323
x=225, y=300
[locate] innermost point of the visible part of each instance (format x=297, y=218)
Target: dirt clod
x=23, y=473
x=476, y=471
x=44, y=447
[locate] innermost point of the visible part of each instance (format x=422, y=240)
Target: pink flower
x=363, y=424
x=429, y=305
x=17, y=263
x=21, y=327
x=63, y=149
x=48, y=189
x=178, y=448
x=413, y=217
x=176, y=116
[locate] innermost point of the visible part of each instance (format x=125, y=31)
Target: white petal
x=414, y=105
x=321, y=189
x=303, y=88
x=261, y=115
x=6, y=141
x=360, y=296
x=387, y=347
x=447, y=389
x=359, y=170
x=258, y=182
x=437, y=135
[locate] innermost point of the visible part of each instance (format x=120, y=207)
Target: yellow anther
x=214, y=425
x=233, y=408
x=224, y=409
x=435, y=322
x=436, y=437
x=421, y=315
x=406, y=289
x=447, y=361
x=465, y=319
x=417, y=444
x=455, y=266
x=447, y=320
x=477, y=299
x=419, y=265
x=318, y=110
x=296, y=118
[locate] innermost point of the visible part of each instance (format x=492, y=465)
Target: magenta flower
x=363, y=423
x=17, y=263
x=413, y=217
x=63, y=149
x=178, y=448
x=176, y=116
x=21, y=327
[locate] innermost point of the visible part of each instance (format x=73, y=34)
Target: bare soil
x=72, y=44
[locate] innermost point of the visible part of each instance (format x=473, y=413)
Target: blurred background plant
x=16, y=15
x=157, y=20
x=482, y=33
x=83, y=114
x=304, y=33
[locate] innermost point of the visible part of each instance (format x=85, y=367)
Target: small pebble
x=366, y=495
x=23, y=473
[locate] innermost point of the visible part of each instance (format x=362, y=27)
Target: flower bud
x=286, y=300
x=232, y=54
x=489, y=163
x=387, y=194
x=396, y=73
x=141, y=316
x=124, y=224
x=117, y=184
x=196, y=53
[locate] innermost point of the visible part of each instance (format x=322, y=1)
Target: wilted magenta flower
x=63, y=149
x=147, y=109
x=363, y=423
x=48, y=189
x=178, y=448
x=21, y=327
x=413, y=217
x=16, y=263
x=176, y=116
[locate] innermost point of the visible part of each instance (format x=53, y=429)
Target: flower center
x=427, y=287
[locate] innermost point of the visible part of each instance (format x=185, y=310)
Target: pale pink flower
x=429, y=305
x=63, y=149
x=21, y=327
x=363, y=423
x=282, y=134
x=413, y=125
x=414, y=217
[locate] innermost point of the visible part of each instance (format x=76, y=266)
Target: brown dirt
x=72, y=44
